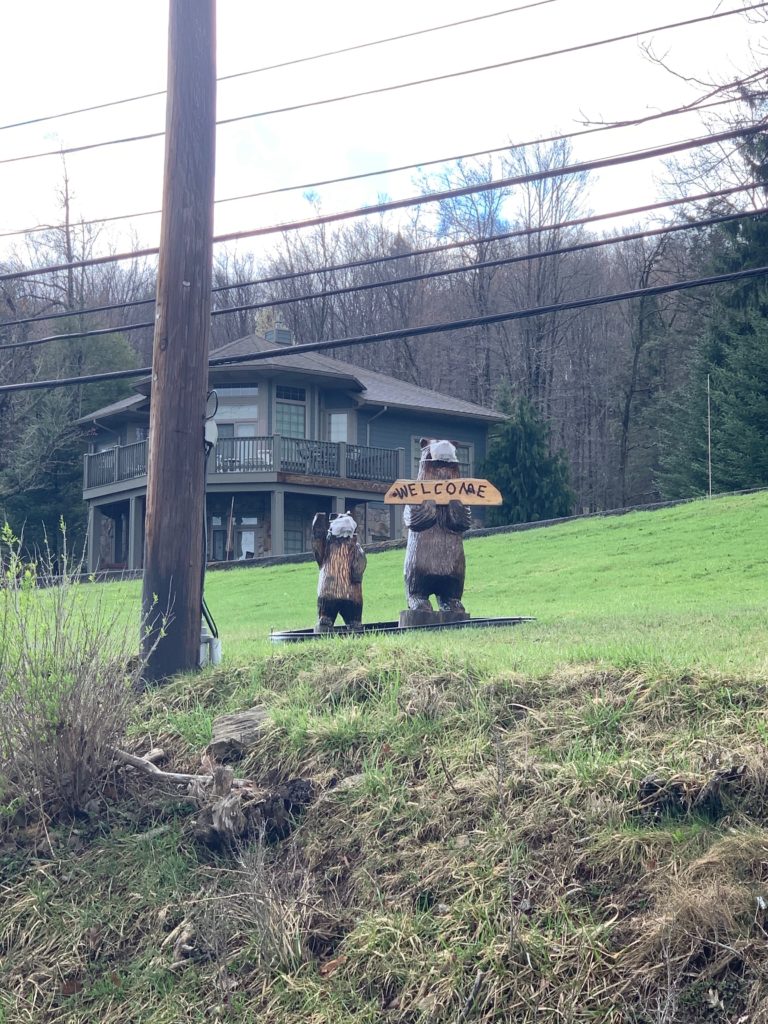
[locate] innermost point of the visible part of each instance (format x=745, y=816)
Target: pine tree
x=733, y=354
x=533, y=482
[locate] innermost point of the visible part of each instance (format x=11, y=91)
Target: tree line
x=607, y=406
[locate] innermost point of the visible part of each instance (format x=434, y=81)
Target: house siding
x=395, y=429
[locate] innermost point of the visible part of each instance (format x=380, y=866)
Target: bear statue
x=342, y=564
x=434, y=558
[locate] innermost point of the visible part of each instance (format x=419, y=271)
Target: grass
x=479, y=828
x=683, y=588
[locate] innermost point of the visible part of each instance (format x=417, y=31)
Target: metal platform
x=292, y=636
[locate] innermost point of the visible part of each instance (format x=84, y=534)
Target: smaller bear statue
x=434, y=558
x=342, y=563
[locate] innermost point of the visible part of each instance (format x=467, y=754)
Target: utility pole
x=173, y=559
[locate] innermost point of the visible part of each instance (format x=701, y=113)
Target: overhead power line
x=494, y=67
x=691, y=108
x=400, y=334
x=381, y=90
x=430, y=197
x=426, y=275
x=285, y=63
x=429, y=251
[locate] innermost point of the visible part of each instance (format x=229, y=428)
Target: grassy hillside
x=562, y=821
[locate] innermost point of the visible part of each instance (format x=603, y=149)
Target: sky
x=56, y=56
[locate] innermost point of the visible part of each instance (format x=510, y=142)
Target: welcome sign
x=468, y=490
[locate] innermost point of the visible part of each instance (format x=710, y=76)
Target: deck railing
x=364, y=463
x=256, y=455
x=243, y=455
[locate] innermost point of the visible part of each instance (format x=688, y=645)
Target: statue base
x=427, y=617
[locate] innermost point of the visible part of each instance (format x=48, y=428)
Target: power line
x=284, y=64
x=430, y=197
x=562, y=137
x=444, y=247
x=410, y=279
x=493, y=67
x=489, y=264
x=410, y=332
x=380, y=90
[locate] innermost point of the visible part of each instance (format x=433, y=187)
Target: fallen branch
x=180, y=777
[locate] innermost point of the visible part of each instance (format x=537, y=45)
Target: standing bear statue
x=434, y=558
x=342, y=563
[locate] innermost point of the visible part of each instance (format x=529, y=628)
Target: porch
x=241, y=523
x=257, y=458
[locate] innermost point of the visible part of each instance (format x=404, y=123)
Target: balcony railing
x=256, y=455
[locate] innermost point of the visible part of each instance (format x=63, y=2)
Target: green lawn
x=479, y=851
x=681, y=588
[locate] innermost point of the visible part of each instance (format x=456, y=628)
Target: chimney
x=280, y=335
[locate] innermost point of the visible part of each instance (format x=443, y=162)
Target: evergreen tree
x=533, y=482
x=733, y=354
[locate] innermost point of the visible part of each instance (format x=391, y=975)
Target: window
x=290, y=419
x=338, y=426
x=293, y=533
x=238, y=404
x=464, y=453
x=290, y=411
x=291, y=394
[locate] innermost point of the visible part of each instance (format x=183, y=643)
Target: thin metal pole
x=709, y=437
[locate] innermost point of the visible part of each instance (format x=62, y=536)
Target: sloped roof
x=373, y=388
x=124, y=405
x=304, y=362
x=376, y=388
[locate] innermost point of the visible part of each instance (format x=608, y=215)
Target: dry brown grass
x=469, y=828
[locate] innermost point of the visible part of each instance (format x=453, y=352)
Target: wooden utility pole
x=173, y=559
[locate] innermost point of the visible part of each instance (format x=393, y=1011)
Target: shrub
x=69, y=666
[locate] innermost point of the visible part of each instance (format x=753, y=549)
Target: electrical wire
x=381, y=90
x=467, y=323
x=410, y=279
x=444, y=247
x=284, y=64
x=691, y=108
x=430, y=197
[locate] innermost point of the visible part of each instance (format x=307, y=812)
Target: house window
x=291, y=394
x=293, y=533
x=291, y=411
x=464, y=452
x=238, y=404
x=338, y=426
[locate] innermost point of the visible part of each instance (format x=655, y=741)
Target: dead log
x=235, y=734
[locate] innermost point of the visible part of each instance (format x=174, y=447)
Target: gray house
x=297, y=435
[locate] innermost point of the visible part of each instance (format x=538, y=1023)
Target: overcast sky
x=56, y=56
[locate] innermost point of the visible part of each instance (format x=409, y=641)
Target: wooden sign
x=468, y=490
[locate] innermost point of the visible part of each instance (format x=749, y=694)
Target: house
x=296, y=435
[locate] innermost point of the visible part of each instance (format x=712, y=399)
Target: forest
x=617, y=399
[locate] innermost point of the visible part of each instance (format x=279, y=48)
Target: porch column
x=396, y=522
x=337, y=504
x=94, y=537
x=135, y=532
x=277, y=525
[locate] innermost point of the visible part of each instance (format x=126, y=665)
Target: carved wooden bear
x=342, y=563
x=434, y=558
